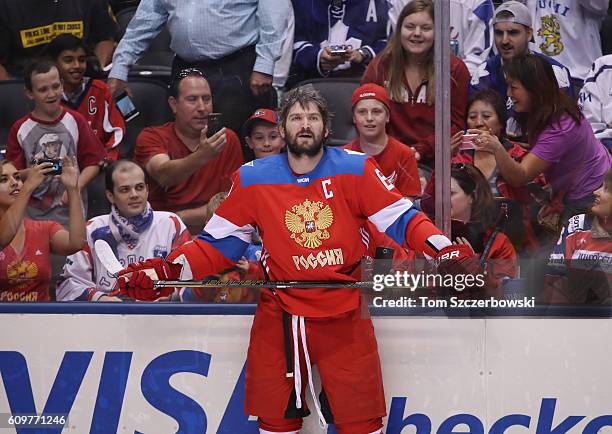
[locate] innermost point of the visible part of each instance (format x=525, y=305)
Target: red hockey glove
x=457, y=259
x=136, y=281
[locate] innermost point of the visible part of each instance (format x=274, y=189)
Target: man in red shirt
x=397, y=161
x=185, y=168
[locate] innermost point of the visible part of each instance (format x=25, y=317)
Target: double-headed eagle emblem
x=308, y=223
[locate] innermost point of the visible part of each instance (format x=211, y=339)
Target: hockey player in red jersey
x=308, y=205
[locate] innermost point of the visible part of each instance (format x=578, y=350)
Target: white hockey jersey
x=568, y=31
x=595, y=99
x=84, y=278
x=470, y=22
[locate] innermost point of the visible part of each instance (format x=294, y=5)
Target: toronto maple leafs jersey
x=595, y=99
x=470, y=22
x=310, y=226
x=85, y=278
x=568, y=31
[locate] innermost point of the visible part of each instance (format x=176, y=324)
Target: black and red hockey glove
x=457, y=259
x=136, y=281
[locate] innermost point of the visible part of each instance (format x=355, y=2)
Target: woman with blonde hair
x=406, y=69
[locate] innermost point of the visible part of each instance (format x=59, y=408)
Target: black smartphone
x=469, y=231
x=125, y=105
x=215, y=123
x=57, y=165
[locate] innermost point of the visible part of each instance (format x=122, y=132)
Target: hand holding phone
x=467, y=142
x=215, y=123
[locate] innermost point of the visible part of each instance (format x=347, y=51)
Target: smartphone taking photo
x=215, y=123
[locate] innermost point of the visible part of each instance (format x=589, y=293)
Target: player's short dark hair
x=37, y=66
x=303, y=96
x=122, y=165
x=63, y=42
x=173, y=89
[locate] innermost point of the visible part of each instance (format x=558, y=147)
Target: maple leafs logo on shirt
x=308, y=223
x=550, y=32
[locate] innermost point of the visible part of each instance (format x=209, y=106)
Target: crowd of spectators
x=531, y=129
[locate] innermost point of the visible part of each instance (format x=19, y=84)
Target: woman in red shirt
x=25, y=265
x=406, y=69
x=473, y=208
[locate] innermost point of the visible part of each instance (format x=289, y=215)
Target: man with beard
x=308, y=204
x=512, y=30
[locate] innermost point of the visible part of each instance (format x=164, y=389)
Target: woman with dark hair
x=474, y=216
x=26, y=245
x=562, y=144
x=486, y=111
x=406, y=69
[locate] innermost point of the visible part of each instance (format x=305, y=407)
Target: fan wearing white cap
x=512, y=30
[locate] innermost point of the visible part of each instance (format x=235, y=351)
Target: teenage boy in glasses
x=184, y=166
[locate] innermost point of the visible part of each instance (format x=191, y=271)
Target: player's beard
x=309, y=150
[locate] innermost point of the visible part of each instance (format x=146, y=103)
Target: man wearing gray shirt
x=235, y=44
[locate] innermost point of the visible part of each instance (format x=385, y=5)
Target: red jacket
x=413, y=121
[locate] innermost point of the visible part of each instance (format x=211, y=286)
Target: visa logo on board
x=191, y=416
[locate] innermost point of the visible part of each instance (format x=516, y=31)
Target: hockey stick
x=110, y=261
x=298, y=284
x=107, y=257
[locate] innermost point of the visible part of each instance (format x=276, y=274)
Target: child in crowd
x=49, y=133
x=92, y=98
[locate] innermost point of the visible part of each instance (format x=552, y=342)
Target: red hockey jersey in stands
x=96, y=104
x=398, y=163
x=310, y=226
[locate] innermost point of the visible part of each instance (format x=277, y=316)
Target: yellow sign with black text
x=45, y=34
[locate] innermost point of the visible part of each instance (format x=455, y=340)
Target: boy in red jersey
x=92, y=98
x=397, y=161
x=308, y=205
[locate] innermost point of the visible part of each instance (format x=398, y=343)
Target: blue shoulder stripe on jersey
x=275, y=169
x=484, y=11
x=599, y=71
x=397, y=229
x=231, y=247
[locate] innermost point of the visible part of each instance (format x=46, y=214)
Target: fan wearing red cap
x=370, y=104
x=261, y=133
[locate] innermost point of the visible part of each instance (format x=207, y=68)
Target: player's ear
x=110, y=197
x=281, y=131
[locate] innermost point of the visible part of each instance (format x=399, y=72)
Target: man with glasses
x=186, y=167
x=235, y=43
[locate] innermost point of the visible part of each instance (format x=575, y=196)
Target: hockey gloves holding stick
x=136, y=281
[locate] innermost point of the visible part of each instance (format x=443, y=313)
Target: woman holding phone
x=25, y=265
x=562, y=144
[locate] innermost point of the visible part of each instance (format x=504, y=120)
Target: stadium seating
x=13, y=105
x=337, y=92
x=151, y=100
